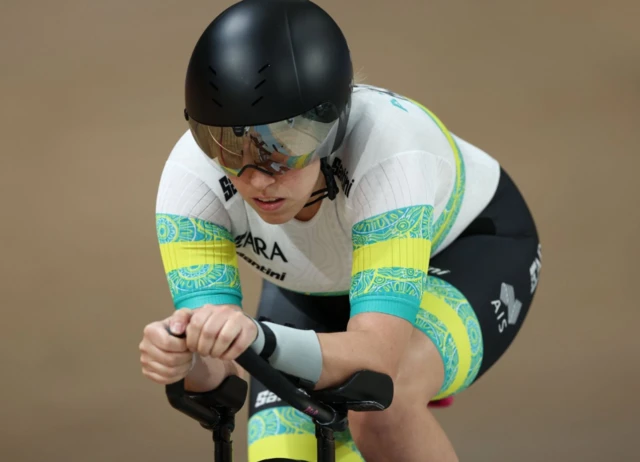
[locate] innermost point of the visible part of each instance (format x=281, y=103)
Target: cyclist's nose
x=260, y=180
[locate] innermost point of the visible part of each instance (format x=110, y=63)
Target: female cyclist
x=385, y=241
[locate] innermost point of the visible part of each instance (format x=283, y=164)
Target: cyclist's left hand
x=220, y=331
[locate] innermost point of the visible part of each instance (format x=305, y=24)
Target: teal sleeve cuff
x=405, y=309
x=210, y=297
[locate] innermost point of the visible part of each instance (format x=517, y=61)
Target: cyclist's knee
x=367, y=427
x=421, y=372
x=418, y=380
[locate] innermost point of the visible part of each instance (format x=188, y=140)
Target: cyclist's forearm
x=372, y=341
x=207, y=373
x=345, y=353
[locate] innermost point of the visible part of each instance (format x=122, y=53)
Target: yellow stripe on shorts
x=455, y=327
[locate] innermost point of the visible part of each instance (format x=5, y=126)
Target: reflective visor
x=273, y=148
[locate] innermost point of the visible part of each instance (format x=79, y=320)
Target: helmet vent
x=262, y=82
x=214, y=86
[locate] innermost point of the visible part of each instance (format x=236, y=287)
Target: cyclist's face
x=280, y=198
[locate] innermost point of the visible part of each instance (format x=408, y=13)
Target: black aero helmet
x=269, y=80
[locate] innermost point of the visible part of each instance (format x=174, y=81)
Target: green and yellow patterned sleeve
x=391, y=254
x=199, y=260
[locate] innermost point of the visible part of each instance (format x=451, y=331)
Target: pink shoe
x=444, y=402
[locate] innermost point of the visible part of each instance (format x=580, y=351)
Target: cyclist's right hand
x=166, y=359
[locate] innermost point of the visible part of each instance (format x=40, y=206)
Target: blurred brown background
x=91, y=104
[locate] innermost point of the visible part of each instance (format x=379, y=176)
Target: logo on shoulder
x=227, y=188
x=343, y=176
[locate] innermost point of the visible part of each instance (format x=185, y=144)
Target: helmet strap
x=331, y=190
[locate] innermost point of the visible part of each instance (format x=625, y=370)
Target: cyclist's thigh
x=495, y=266
x=276, y=429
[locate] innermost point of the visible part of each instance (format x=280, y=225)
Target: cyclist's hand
x=166, y=359
x=220, y=331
